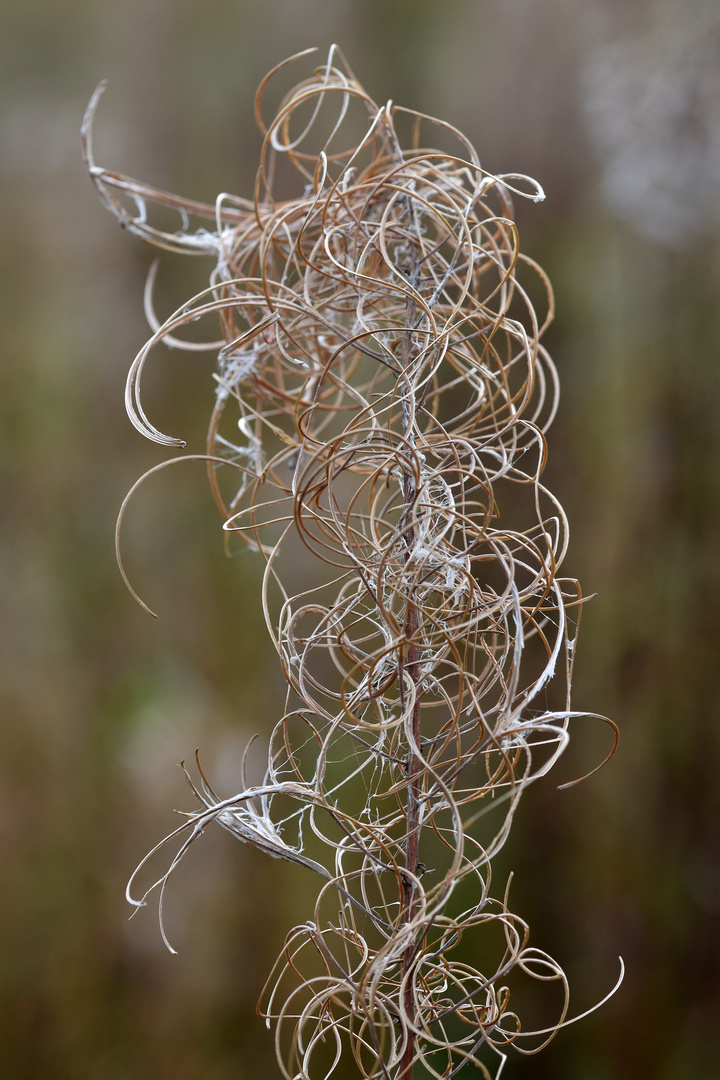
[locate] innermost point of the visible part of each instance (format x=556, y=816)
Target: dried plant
x=381, y=358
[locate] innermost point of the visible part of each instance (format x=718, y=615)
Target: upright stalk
x=412, y=842
x=410, y=664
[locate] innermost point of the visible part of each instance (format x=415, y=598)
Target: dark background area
x=615, y=108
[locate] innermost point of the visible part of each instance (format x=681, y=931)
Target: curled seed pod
x=382, y=399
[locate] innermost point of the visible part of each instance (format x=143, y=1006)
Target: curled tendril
x=382, y=398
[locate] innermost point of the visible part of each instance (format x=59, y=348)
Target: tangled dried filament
x=381, y=403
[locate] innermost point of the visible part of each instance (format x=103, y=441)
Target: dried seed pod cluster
x=378, y=437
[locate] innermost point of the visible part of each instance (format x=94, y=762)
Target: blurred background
x=615, y=108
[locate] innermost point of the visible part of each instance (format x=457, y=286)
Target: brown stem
x=412, y=844
x=411, y=665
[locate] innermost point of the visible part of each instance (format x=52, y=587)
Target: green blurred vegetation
x=99, y=702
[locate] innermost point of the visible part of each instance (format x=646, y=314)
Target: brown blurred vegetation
x=615, y=109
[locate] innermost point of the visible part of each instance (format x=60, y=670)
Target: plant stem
x=410, y=665
x=412, y=843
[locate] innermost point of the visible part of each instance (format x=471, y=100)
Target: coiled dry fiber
x=381, y=361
